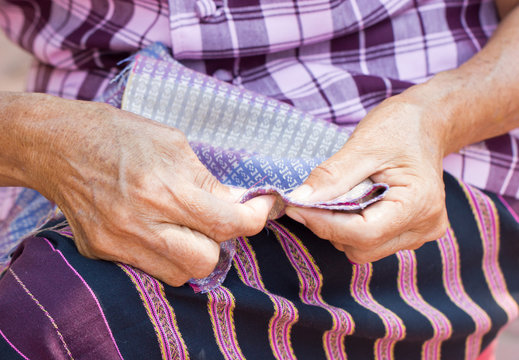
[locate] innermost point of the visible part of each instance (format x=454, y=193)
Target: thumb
x=257, y=207
x=336, y=176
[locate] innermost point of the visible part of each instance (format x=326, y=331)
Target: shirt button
x=205, y=8
x=222, y=74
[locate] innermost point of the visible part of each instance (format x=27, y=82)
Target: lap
x=288, y=294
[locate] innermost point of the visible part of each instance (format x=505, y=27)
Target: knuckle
x=254, y=225
x=439, y=231
x=415, y=245
x=324, y=232
x=372, y=240
x=437, y=208
x=223, y=230
x=177, y=138
x=144, y=186
x=177, y=280
x=438, y=227
x=358, y=257
x=103, y=109
x=205, y=180
x=86, y=250
x=206, y=263
x=329, y=170
x=337, y=245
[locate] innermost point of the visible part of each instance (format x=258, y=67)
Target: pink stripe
x=14, y=347
x=456, y=292
x=493, y=274
x=395, y=329
x=152, y=308
x=275, y=321
x=170, y=325
x=156, y=287
x=91, y=293
x=311, y=293
x=409, y=292
x=282, y=305
x=224, y=331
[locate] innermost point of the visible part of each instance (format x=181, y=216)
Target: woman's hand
x=398, y=143
x=402, y=143
x=132, y=189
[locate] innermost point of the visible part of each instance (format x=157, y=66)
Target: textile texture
x=288, y=295
x=245, y=139
x=334, y=60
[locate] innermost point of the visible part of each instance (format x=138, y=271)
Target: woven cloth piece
x=245, y=139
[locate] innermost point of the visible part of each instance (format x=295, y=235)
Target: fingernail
x=301, y=193
x=292, y=213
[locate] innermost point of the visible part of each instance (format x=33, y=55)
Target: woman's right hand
x=132, y=189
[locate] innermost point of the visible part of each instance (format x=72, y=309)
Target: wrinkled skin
x=134, y=191
x=402, y=142
x=392, y=145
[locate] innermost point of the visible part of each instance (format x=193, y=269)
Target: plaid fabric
x=334, y=59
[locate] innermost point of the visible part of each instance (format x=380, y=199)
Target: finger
x=337, y=175
x=338, y=246
x=144, y=259
x=235, y=194
x=214, y=209
x=172, y=254
x=371, y=227
x=408, y=241
x=192, y=251
x=217, y=218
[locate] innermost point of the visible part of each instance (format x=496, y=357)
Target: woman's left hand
x=399, y=143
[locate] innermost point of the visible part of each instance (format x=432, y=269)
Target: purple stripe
x=395, y=329
x=14, y=347
x=228, y=321
x=15, y=305
x=42, y=308
x=158, y=325
x=65, y=298
x=213, y=303
x=499, y=146
x=36, y=16
x=217, y=295
x=156, y=287
x=471, y=19
x=91, y=293
x=280, y=302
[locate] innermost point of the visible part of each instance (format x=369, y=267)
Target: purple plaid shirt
x=334, y=59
